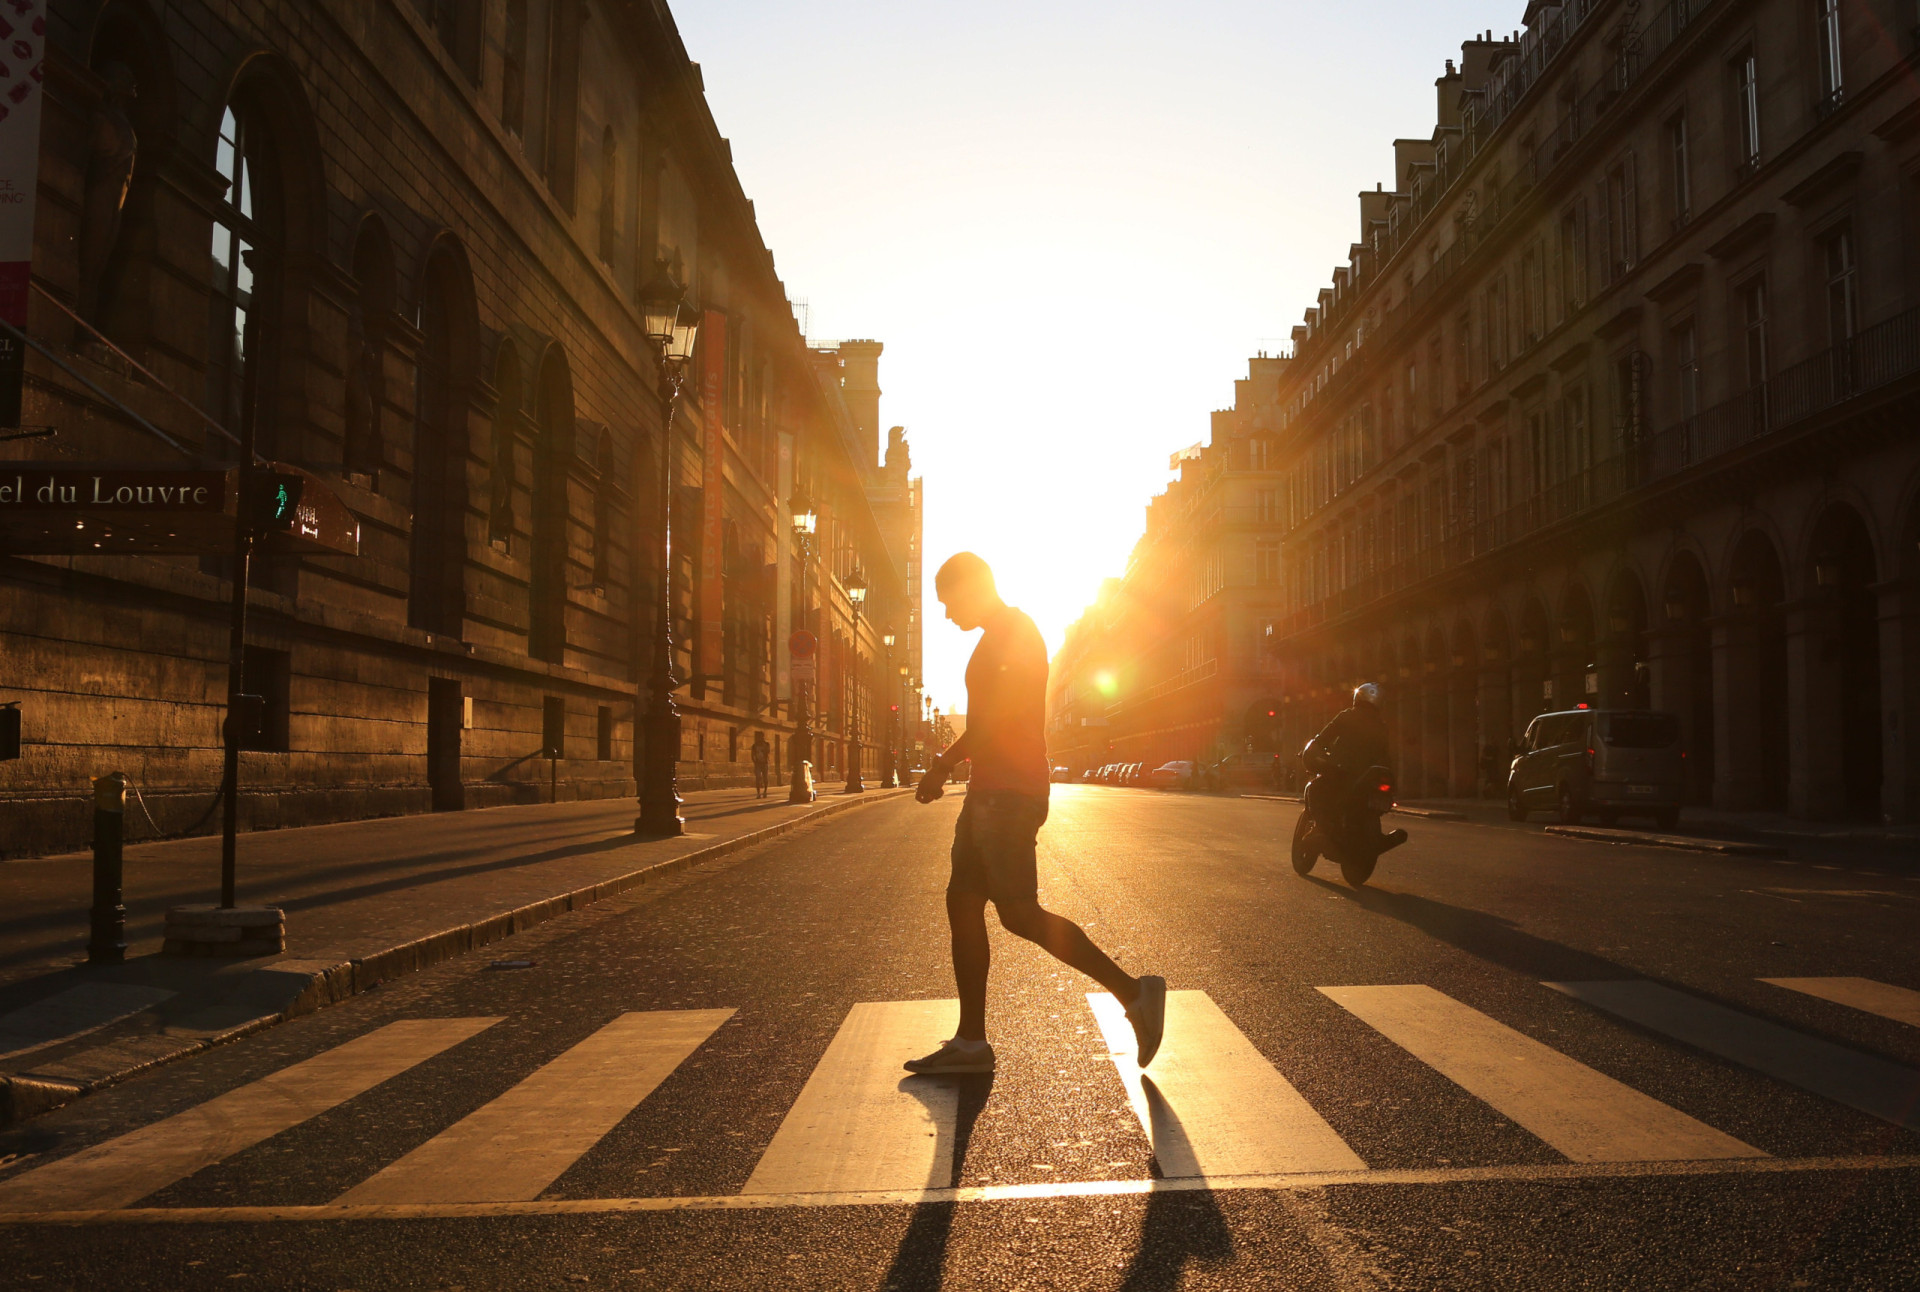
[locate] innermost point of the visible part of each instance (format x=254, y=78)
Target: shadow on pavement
x=919, y=1263
x=1178, y=1228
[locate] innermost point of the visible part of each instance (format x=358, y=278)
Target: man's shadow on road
x=919, y=1261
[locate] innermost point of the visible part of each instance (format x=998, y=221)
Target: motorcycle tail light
x=1386, y=789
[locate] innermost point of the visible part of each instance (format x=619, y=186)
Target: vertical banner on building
x=23, y=50
x=709, y=658
x=783, y=624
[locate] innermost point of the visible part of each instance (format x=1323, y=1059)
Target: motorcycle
x=1347, y=833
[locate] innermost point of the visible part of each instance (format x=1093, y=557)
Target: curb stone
x=27, y=1095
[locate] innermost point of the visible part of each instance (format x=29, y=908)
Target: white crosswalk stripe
x=1585, y=1114
x=1211, y=1104
x=124, y=1170
x=861, y=1122
x=1901, y=1004
x=529, y=1136
x=1873, y=1085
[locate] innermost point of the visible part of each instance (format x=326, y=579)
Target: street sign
x=69, y=508
x=803, y=670
x=802, y=644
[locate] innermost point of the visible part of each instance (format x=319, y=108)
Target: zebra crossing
x=1213, y=1108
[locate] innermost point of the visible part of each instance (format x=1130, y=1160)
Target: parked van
x=1605, y=762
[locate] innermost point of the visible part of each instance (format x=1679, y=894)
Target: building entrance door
x=446, y=716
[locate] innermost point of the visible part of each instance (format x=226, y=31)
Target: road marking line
x=511, y=1149
x=1873, y=1085
x=1901, y=1004
x=73, y=1013
x=1539, y=1173
x=1585, y=1114
x=861, y=1122
x=125, y=1169
x=1211, y=1104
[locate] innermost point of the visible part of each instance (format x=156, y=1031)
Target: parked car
x=1247, y=771
x=1604, y=762
x=1061, y=775
x=1175, y=775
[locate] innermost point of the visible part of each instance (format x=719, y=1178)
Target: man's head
x=1368, y=694
x=965, y=588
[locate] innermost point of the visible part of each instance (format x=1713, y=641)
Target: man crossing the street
x=994, y=842
x=762, y=753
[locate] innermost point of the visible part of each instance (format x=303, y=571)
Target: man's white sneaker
x=954, y=1058
x=1148, y=1014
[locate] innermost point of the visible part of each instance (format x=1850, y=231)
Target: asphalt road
x=1507, y=1170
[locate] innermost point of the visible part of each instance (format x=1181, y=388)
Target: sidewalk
x=1705, y=822
x=365, y=901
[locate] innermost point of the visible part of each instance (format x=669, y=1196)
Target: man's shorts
x=993, y=846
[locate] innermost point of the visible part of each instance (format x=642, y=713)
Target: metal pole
x=236, y=673
x=107, y=944
x=800, y=749
x=659, y=793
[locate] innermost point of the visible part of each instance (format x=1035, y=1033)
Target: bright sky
x=1070, y=221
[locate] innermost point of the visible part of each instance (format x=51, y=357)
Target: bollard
x=108, y=943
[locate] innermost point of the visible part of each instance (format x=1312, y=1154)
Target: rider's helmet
x=1367, y=693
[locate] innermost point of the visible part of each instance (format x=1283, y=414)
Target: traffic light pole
x=236, y=675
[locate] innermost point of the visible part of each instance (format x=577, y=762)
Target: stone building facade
x=430, y=227
x=1614, y=402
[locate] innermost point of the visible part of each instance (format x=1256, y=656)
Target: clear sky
x=1070, y=221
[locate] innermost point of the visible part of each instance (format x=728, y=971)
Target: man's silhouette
x=762, y=753
x=993, y=844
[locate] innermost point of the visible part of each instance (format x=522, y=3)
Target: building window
x=609, y=190
x=1620, y=210
x=1266, y=555
x=237, y=298
x=1753, y=320
x=513, y=70
x=1577, y=433
x=1842, y=288
x=1538, y=446
x=563, y=102
x=1258, y=453
x=1573, y=259
x=603, y=732
x=1686, y=370
x=1679, y=169
x=1827, y=15
x=1746, y=89
x=1266, y=508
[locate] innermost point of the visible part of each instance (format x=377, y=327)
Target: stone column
x=1496, y=713
x=1816, y=784
x=1899, y=689
x=1736, y=714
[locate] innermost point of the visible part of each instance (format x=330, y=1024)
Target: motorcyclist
x=1348, y=747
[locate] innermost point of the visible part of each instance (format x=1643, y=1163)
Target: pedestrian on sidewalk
x=761, y=752
x=994, y=841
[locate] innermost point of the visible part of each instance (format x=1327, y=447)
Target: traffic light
x=272, y=499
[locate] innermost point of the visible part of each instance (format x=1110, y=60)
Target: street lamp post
x=887, y=780
x=801, y=747
x=857, y=597
x=906, y=689
x=671, y=325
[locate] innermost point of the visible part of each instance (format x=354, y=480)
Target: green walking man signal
x=273, y=500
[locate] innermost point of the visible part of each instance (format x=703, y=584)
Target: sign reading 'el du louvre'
x=136, y=491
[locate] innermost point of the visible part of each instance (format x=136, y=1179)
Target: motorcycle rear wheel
x=1304, y=853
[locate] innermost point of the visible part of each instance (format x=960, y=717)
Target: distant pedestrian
x=993, y=843
x=762, y=754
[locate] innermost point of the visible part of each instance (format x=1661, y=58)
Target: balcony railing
x=1877, y=357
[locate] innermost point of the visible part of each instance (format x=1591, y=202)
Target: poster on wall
x=23, y=48
x=709, y=659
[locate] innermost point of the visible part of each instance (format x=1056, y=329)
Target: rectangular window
x=1578, y=434
x=603, y=734
x=513, y=71
x=1573, y=259
x=1267, y=561
x=1532, y=323
x=1538, y=447
x=1462, y=355
x=1686, y=371
x=1629, y=400
x=1753, y=320
x=1842, y=289
x=1827, y=15
x=1620, y=210
x=1746, y=89
x=1679, y=170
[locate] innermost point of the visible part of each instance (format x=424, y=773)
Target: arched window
x=364, y=451
x=245, y=268
x=436, y=598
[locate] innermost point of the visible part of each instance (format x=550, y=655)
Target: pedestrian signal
x=272, y=499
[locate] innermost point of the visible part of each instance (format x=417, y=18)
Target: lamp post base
x=659, y=794
x=854, y=784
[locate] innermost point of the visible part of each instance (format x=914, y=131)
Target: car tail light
x=1589, y=760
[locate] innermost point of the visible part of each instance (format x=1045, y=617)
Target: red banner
x=709, y=658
